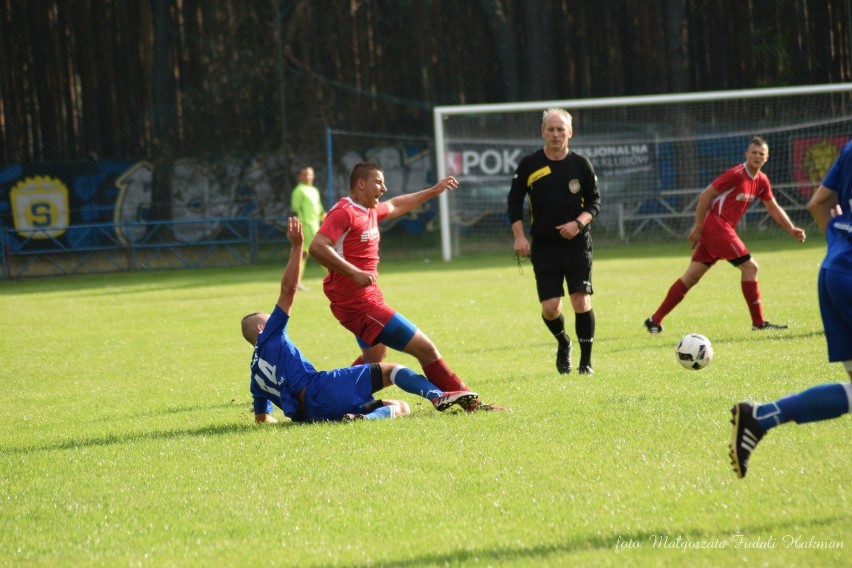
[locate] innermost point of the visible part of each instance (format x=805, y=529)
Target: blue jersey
x=278, y=369
x=838, y=233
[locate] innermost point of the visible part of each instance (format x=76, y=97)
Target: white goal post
x=652, y=154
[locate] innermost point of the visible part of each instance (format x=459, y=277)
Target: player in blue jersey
x=281, y=376
x=831, y=207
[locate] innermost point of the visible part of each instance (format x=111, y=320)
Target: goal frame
x=439, y=113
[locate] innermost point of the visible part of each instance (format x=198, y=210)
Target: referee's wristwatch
x=580, y=224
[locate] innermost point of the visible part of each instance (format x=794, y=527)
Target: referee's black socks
x=584, y=326
x=557, y=328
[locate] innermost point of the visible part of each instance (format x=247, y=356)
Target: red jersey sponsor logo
x=370, y=235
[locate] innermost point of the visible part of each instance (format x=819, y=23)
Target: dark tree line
x=155, y=79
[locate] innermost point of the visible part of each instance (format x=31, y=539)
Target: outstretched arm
x=780, y=217
x=402, y=204
x=293, y=270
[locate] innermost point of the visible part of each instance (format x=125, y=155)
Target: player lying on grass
x=831, y=207
x=281, y=376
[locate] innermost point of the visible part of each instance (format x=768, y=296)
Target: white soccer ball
x=694, y=352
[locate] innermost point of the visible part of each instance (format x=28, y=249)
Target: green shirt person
x=306, y=204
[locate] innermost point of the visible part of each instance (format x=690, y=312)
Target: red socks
x=752, y=297
x=676, y=293
x=440, y=375
x=674, y=296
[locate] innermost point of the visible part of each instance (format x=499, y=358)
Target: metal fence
x=152, y=245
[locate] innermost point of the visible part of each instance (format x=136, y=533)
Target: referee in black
x=563, y=199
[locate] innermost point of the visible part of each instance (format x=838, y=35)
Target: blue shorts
x=342, y=391
x=396, y=333
x=835, y=305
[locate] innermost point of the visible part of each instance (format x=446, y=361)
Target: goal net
x=653, y=155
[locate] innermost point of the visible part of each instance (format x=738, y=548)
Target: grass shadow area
x=661, y=541
x=135, y=437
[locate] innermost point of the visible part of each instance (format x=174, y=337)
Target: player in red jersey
x=347, y=244
x=720, y=207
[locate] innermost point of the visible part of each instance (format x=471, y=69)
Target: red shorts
x=718, y=241
x=365, y=319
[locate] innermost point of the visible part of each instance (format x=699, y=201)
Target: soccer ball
x=694, y=352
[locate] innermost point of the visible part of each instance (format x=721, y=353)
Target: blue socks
x=409, y=381
x=818, y=403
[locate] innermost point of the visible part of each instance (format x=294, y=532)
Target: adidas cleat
x=450, y=398
x=746, y=434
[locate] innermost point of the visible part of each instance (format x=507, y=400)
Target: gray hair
x=560, y=111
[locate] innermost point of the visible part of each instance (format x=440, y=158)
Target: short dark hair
x=758, y=141
x=362, y=170
x=249, y=332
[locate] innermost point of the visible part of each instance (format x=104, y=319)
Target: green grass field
x=128, y=437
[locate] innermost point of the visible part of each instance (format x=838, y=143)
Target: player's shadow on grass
x=177, y=410
x=787, y=335
x=134, y=437
x=783, y=335
x=672, y=540
x=668, y=342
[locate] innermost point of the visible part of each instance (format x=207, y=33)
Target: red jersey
x=737, y=190
x=354, y=229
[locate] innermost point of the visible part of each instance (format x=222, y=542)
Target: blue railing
x=128, y=247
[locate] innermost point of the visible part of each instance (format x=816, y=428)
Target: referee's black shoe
x=563, y=358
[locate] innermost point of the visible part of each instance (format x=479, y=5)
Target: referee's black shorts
x=557, y=261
